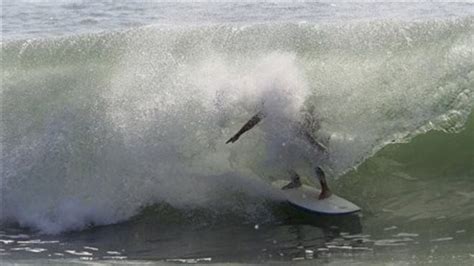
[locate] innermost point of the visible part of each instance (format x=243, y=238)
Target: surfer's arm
x=316, y=144
x=249, y=125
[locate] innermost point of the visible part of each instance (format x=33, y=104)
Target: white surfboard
x=306, y=198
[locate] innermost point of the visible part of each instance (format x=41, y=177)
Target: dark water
x=193, y=236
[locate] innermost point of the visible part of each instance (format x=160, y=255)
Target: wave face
x=94, y=127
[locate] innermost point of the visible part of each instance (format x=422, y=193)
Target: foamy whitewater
x=99, y=126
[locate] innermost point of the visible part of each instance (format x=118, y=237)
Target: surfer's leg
x=295, y=180
x=325, y=191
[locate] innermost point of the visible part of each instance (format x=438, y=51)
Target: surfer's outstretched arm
x=249, y=125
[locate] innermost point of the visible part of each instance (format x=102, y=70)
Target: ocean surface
x=115, y=116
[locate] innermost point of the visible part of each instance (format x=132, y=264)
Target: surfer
x=303, y=130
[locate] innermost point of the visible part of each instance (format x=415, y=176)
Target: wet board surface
x=306, y=198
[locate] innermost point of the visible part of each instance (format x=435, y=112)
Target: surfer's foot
x=325, y=191
x=292, y=184
x=295, y=181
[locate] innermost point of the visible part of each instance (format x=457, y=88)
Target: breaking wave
x=95, y=127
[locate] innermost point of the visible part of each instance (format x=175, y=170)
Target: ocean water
x=115, y=117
